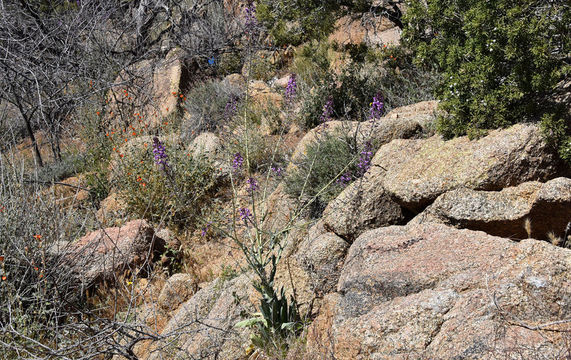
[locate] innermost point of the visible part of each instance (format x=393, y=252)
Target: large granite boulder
x=547, y=206
x=146, y=93
x=506, y=157
x=433, y=292
x=103, y=254
x=204, y=326
x=366, y=29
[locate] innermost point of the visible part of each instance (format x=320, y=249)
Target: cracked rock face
x=503, y=213
x=431, y=291
x=506, y=157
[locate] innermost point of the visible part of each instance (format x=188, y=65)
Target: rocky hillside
x=302, y=191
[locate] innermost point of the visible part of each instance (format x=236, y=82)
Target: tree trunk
x=33, y=139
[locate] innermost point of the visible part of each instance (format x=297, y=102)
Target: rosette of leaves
x=277, y=318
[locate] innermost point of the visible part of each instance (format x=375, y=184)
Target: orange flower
x=121, y=155
x=4, y=278
x=38, y=237
x=134, y=133
x=98, y=113
x=1, y=258
x=174, y=93
x=167, y=109
x=181, y=96
x=144, y=184
x=36, y=268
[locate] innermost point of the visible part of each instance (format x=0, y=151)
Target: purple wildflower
x=344, y=179
x=252, y=184
x=291, y=88
x=231, y=108
x=205, y=229
x=277, y=170
x=377, y=107
x=238, y=161
x=327, y=111
x=251, y=21
x=245, y=214
x=365, y=159
x=159, y=152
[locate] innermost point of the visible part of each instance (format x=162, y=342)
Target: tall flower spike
x=251, y=21
x=377, y=107
x=231, y=108
x=245, y=214
x=291, y=89
x=365, y=159
x=252, y=184
x=327, y=111
x=159, y=152
x=237, y=161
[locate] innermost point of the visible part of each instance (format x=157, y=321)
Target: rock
x=504, y=213
x=70, y=192
x=235, y=81
x=363, y=205
x=418, y=171
x=366, y=29
x=431, y=291
x=321, y=255
x=204, y=326
x=263, y=96
x=178, y=289
x=112, y=210
x=406, y=122
x=101, y=254
x=206, y=144
x=146, y=93
x=282, y=82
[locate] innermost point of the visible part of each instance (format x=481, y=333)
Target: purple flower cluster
x=377, y=107
x=327, y=111
x=365, y=159
x=277, y=170
x=159, y=152
x=344, y=179
x=291, y=88
x=245, y=214
x=252, y=184
x=251, y=21
x=231, y=108
x=205, y=229
x=237, y=161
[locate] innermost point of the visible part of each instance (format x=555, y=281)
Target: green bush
x=501, y=61
x=174, y=194
x=229, y=63
x=326, y=160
